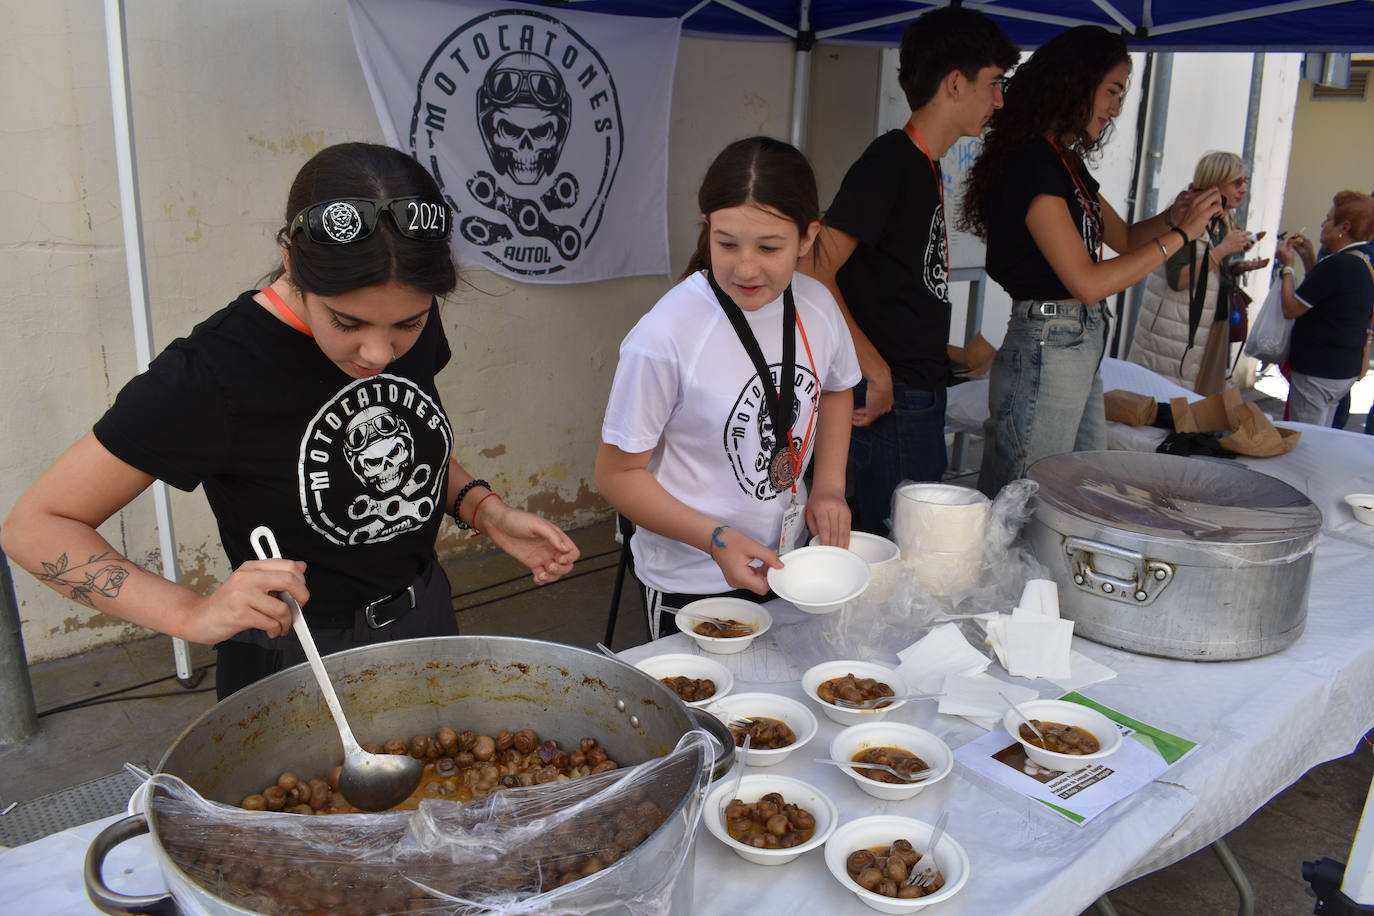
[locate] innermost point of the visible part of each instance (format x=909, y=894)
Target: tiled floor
x=1315, y=817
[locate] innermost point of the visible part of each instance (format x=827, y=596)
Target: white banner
x=547, y=129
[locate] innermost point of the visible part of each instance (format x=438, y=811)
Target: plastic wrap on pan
x=1230, y=515
x=876, y=630
x=539, y=849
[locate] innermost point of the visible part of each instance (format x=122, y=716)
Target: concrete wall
x=228, y=101
x=1332, y=139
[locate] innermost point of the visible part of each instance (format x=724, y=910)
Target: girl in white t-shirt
x=707, y=434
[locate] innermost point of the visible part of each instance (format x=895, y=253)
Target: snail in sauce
x=885, y=869
x=1062, y=739
x=723, y=629
x=690, y=689
x=854, y=690
x=766, y=734
x=902, y=761
x=458, y=765
x=772, y=822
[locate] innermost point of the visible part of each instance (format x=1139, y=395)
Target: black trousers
x=251, y=656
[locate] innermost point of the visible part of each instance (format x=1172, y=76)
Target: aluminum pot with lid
x=1190, y=558
x=409, y=687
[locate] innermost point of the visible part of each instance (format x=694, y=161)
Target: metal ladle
x=370, y=782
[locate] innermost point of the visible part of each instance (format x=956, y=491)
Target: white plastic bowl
x=726, y=609
x=1065, y=713
x=883, y=830
x=694, y=666
x=876, y=551
x=884, y=559
x=770, y=706
x=819, y=580
x=756, y=786
x=918, y=741
x=1362, y=504
x=826, y=671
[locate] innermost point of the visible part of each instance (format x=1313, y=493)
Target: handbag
x=1239, y=317
x=1211, y=369
x=1271, y=334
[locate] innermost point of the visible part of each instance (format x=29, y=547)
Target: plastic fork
x=878, y=701
x=915, y=776
x=925, y=877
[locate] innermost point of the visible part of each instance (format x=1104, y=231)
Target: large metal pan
x=485, y=683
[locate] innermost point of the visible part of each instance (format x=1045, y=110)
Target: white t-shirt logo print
x=750, y=439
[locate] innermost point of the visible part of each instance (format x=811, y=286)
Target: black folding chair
x=627, y=562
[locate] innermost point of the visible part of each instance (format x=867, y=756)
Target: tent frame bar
x=1258, y=12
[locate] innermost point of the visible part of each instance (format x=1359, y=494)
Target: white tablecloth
x=1262, y=723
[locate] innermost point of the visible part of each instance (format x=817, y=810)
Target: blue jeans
x=906, y=443
x=1045, y=393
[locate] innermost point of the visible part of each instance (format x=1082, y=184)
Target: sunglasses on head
x=351, y=219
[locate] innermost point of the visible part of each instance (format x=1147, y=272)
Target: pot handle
x=716, y=729
x=1148, y=578
x=106, y=900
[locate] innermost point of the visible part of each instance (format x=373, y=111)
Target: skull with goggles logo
x=379, y=448
x=523, y=114
x=341, y=221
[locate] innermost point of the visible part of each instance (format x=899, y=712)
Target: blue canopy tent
x=1160, y=25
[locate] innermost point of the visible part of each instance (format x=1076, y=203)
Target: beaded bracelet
x=475, y=482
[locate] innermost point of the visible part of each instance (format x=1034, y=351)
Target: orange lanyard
x=795, y=455
x=1084, y=196
x=284, y=310
x=935, y=169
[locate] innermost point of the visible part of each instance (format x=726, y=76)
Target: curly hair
x=1052, y=93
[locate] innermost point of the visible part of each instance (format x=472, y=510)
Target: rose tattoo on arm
x=102, y=575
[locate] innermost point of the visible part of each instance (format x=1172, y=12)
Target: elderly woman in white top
x=1166, y=340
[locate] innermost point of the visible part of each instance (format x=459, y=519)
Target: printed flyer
x=1146, y=753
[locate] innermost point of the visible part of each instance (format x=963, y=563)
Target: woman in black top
x=308, y=406
x=1031, y=197
x=1332, y=308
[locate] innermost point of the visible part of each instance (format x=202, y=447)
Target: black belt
x=1038, y=308
x=377, y=614
x=386, y=611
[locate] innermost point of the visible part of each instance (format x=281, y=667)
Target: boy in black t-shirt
x=883, y=252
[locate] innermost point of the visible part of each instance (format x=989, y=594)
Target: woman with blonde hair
x=1188, y=299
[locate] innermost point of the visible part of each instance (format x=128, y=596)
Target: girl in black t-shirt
x=1031, y=197
x=308, y=406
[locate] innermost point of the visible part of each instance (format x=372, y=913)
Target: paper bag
x=1250, y=432
x=1130, y=408
x=973, y=359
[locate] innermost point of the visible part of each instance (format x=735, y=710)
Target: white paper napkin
x=1037, y=647
x=942, y=651
x=1085, y=672
x=977, y=698
x=1040, y=598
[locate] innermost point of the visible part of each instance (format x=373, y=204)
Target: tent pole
x=1252, y=127
x=801, y=75
x=1149, y=165
x=121, y=102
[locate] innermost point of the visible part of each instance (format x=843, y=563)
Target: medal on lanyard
x=781, y=472
x=939, y=174
x=785, y=463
